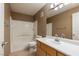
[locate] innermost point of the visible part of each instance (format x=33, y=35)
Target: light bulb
x=52, y=6
x=56, y=8
x=60, y=6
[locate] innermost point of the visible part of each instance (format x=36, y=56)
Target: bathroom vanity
x=45, y=50
x=48, y=47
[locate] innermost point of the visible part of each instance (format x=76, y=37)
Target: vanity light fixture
x=56, y=6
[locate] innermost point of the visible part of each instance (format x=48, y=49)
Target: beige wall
x=41, y=26
x=7, y=28
x=22, y=17
x=62, y=23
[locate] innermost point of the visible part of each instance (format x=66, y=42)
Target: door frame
x=72, y=25
x=6, y=29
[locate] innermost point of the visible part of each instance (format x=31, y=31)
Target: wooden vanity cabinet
x=45, y=50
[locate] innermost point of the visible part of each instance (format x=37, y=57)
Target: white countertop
x=64, y=47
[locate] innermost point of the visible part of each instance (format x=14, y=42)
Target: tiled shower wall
x=21, y=33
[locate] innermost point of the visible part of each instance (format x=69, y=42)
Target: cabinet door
x=38, y=49
x=51, y=51
x=38, y=43
x=44, y=47
x=40, y=52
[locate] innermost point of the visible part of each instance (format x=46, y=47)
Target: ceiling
x=66, y=7
x=26, y=8
x=33, y=8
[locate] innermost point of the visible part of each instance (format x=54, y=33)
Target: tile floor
x=23, y=53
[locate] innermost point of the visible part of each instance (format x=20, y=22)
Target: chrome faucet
x=62, y=35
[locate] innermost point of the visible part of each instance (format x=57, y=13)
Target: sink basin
x=53, y=41
x=57, y=42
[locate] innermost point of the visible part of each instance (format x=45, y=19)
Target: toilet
x=32, y=46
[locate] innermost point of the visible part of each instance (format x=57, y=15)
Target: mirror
x=61, y=19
